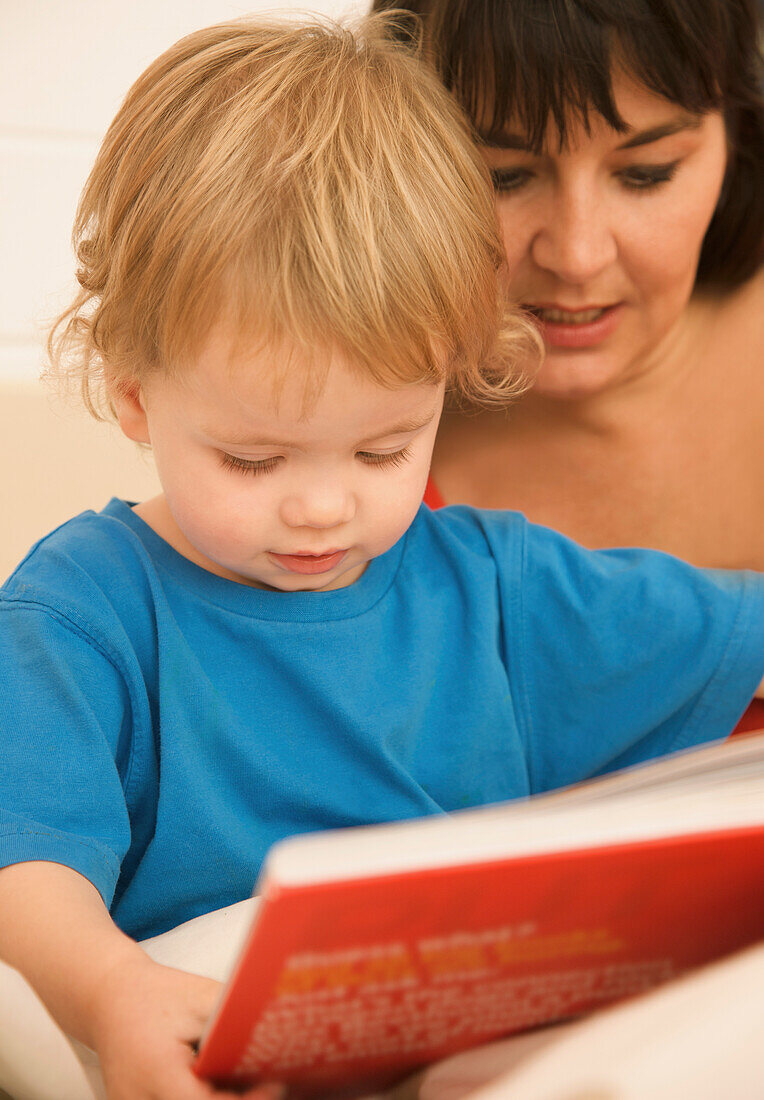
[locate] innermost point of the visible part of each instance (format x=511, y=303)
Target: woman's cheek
x=674, y=226
x=515, y=236
x=662, y=253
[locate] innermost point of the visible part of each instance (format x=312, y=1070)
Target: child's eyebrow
x=404, y=427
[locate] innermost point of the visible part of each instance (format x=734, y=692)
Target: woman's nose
x=575, y=242
x=323, y=506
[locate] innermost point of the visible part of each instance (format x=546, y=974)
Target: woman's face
x=603, y=238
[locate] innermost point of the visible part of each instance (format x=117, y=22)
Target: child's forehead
x=278, y=392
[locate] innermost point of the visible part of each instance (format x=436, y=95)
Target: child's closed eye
x=265, y=465
x=249, y=465
x=393, y=458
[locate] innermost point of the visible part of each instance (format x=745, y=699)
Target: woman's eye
x=249, y=465
x=394, y=458
x=643, y=177
x=509, y=179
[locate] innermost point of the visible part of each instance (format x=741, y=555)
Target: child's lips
x=309, y=563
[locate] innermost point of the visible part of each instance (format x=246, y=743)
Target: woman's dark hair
x=539, y=59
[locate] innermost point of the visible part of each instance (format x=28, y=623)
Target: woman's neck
x=673, y=366
x=539, y=423
x=660, y=460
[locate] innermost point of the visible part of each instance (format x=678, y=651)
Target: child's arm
x=141, y=1018
x=617, y=656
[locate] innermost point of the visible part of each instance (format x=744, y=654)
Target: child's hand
x=146, y=1021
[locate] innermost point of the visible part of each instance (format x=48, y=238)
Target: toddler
x=288, y=260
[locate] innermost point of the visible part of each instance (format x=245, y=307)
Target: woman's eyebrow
x=509, y=140
x=655, y=133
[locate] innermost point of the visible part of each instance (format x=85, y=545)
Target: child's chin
x=326, y=582
x=296, y=583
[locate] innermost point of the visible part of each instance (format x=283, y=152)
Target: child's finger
x=268, y=1090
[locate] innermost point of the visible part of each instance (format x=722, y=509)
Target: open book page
x=379, y=949
x=715, y=787
x=707, y=767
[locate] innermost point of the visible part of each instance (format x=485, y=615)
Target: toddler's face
x=261, y=491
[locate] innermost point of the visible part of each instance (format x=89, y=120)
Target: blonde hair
x=309, y=183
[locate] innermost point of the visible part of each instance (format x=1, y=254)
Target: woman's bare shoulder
x=730, y=347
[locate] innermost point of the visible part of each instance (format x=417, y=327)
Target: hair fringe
x=536, y=60
x=313, y=184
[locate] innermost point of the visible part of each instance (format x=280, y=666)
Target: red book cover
x=357, y=981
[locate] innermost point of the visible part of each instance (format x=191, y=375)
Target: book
x=378, y=949
x=698, y=1036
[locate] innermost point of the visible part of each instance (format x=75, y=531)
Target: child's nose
x=328, y=506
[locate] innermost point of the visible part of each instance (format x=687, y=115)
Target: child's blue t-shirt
x=162, y=727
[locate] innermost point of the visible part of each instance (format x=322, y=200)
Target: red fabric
x=753, y=719
x=432, y=497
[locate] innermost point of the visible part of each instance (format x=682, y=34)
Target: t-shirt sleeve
x=66, y=747
x=619, y=656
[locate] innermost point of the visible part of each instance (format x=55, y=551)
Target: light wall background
x=65, y=66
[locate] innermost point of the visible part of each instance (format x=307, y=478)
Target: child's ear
x=129, y=405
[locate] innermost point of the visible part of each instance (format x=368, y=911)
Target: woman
x=625, y=140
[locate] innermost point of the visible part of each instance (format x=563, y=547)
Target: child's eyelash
x=395, y=458
x=248, y=465
x=265, y=465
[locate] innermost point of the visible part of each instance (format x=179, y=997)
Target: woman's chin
x=577, y=375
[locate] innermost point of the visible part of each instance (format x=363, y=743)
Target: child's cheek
x=402, y=500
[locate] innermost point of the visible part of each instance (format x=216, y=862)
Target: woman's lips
x=579, y=328
x=309, y=563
